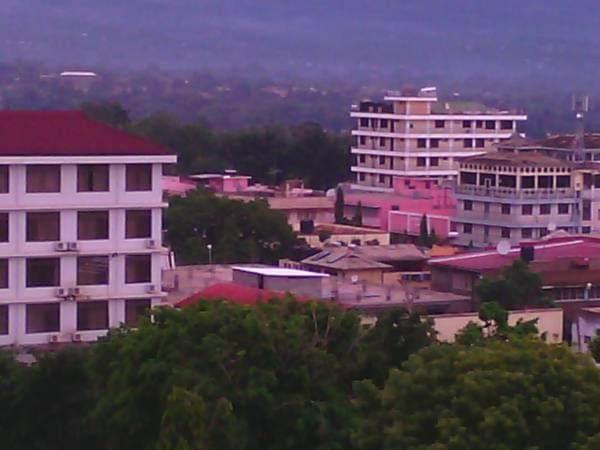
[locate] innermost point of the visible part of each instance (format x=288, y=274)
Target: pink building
x=177, y=186
x=229, y=182
x=401, y=211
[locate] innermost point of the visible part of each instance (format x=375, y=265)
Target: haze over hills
x=552, y=41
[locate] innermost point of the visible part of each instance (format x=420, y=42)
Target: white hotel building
x=413, y=134
x=80, y=227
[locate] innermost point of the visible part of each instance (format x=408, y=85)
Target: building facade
x=80, y=227
x=520, y=196
x=411, y=133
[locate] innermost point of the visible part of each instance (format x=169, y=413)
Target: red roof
x=575, y=247
x=234, y=293
x=66, y=133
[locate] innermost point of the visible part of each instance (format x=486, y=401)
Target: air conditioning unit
x=151, y=243
x=61, y=292
x=61, y=246
x=152, y=289
x=76, y=337
x=53, y=338
x=72, y=246
x=74, y=292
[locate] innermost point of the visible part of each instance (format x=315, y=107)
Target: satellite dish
x=503, y=247
x=551, y=227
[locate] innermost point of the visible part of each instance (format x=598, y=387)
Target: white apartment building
x=412, y=133
x=80, y=227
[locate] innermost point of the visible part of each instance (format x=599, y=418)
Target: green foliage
x=111, y=113
x=594, y=347
x=324, y=235
x=516, y=286
x=339, y=206
x=358, y=215
x=522, y=394
x=426, y=239
x=238, y=231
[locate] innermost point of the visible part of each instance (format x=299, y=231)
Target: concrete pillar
x=68, y=317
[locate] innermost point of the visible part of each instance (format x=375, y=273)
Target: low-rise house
x=585, y=327
x=300, y=283
x=324, y=234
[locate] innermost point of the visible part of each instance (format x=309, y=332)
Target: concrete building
x=279, y=279
x=584, y=328
x=80, y=227
x=412, y=133
x=524, y=195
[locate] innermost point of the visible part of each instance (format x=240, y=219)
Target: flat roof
x=280, y=272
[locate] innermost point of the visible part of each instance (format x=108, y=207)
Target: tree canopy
x=238, y=231
x=516, y=286
x=522, y=394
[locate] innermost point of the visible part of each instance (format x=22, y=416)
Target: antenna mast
x=581, y=105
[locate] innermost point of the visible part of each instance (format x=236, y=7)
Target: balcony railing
x=518, y=194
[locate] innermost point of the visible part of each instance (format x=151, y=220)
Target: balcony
x=515, y=194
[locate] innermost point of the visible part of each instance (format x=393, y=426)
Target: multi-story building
x=80, y=227
x=411, y=133
x=524, y=195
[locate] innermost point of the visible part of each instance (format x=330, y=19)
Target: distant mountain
x=556, y=41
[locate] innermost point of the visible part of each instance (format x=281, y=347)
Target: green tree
x=111, y=113
x=516, y=286
x=423, y=239
x=594, y=347
x=238, y=231
x=517, y=394
x=357, y=219
x=339, y=206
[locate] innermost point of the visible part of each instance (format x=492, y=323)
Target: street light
x=209, y=248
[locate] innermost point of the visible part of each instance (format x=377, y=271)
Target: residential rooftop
x=280, y=272
x=67, y=133
x=516, y=159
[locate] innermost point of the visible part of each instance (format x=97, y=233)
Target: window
x=3, y=319
x=138, y=269
x=4, y=179
x=479, y=124
x=42, y=317
x=382, y=160
x=43, y=178
x=136, y=310
x=361, y=177
x=92, y=315
x=467, y=228
x=421, y=143
x=361, y=159
x=490, y=125
x=563, y=181
x=506, y=124
x=467, y=205
x=138, y=224
x=92, y=178
x=92, y=225
x=505, y=209
x=3, y=273
x=139, y=177
x=545, y=210
x=4, y=227
x=434, y=162
x=527, y=182
x=383, y=123
x=92, y=270
x=43, y=226
x=505, y=233
x=421, y=162
x=364, y=122
x=43, y=272
x=466, y=124
x=586, y=230
x=434, y=143
x=382, y=142
x=526, y=233
x=362, y=140
x=374, y=123
x=527, y=210
x=563, y=208
x=468, y=143
x=440, y=124
x=479, y=143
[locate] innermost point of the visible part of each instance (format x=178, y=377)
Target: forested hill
x=508, y=40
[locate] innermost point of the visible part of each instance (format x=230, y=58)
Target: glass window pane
x=92, y=178
x=3, y=273
x=139, y=177
x=43, y=178
x=92, y=315
x=4, y=319
x=43, y=318
x=43, y=226
x=136, y=310
x=92, y=225
x=92, y=270
x=138, y=268
x=4, y=227
x=4, y=177
x=43, y=272
x=138, y=224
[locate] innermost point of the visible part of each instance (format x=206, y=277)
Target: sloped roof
x=66, y=133
x=343, y=259
x=516, y=159
x=232, y=292
x=567, y=141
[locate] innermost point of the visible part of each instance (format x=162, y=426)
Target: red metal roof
x=66, y=133
x=232, y=292
x=575, y=247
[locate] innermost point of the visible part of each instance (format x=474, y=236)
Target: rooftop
x=280, y=272
x=551, y=251
x=343, y=258
x=66, y=133
x=516, y=159
x=567, y=141
x=232, y=292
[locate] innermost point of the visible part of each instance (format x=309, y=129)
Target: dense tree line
x=300, y=376
x=239, y=232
